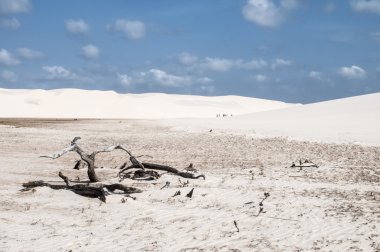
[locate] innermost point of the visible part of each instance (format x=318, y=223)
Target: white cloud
x=316, y=75
x=124, y=79
x=261, y=78
x=266, y=12
x=218, y=64
x=77, y=26
x=90, y=51
x=159, y=77
x=187, y=58
x=131, y=29
x=10, y=23
x=353, y=72
x=376, y=36
x=7, y=59
x=224, y=65
x=254, y=64
x=209, y=89
x=58, y=73
x=8, y=76
x=29, y=54
x=280, y=63
x=205, y=80
x=366, y=5
x=289, y=4
x=14, y=6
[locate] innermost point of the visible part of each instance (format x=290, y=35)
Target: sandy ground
x=335, y=207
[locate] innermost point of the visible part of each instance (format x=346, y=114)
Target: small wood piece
x=167, y=184
x=261, y=209
x=183, y=184
x=235, y=223
x=304, y=163
x=78, y=165
x=67, y=182
x=190, y=194
x=191, y=168
x=177, y=193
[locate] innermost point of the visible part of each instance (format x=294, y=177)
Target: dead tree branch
x=89, y=159
x=163, y=168
x=93, y=191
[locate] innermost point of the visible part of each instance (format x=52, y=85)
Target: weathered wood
x=89, y=159
x=304, y=163
x=140, y=175
x=163, y=168
x=78, y=164
x=67, y=182
x=125, y=189
x=177, y=193
x=40, y=183
x=235, y=223
x=190, y=194
x=95, y=191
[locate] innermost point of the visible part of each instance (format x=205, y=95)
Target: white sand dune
x=354, y=119
x=330, y=208
x=77, y=103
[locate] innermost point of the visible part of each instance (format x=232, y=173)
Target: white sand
x=77, y=103
x=349, y=120
x=331, y=208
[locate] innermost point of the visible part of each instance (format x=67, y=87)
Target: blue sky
x=290, y=50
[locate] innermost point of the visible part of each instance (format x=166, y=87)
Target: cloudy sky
x=291, y=50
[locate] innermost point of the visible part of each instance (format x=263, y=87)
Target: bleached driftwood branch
x=89, y=159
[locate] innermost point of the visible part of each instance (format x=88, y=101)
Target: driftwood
x=183, y=184
x=235, y=223
x=304, y=163
x=261, y=205
x=167, y=184
x=162, y=168
x=93, y=191
x=140, y=175
x=190, y=194
x=89, y=159
x=177, y=193
x=142, y=171
x=78, y=165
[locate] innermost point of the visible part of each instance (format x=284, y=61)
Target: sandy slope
x=331, y=208
x=354, y=119
x=77, y=103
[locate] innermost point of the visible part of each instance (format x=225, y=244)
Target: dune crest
x=348, y=120
x=77, y=103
